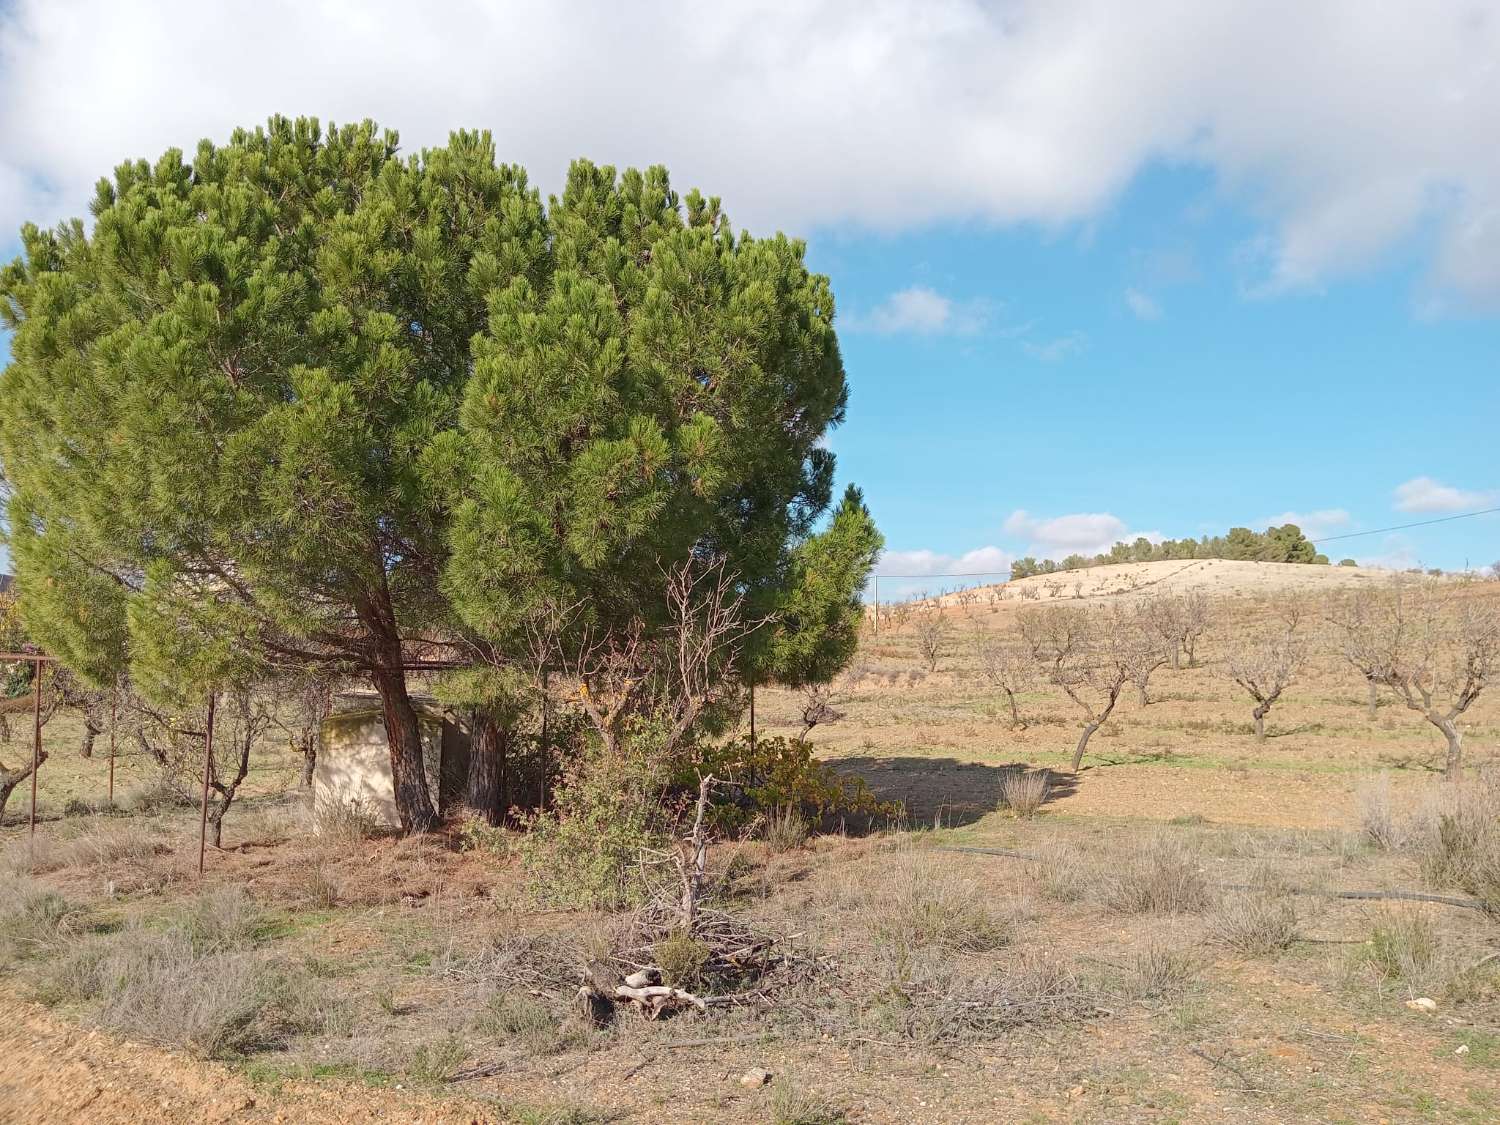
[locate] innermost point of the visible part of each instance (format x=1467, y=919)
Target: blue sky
x=1130, y=368
x=1102, y=269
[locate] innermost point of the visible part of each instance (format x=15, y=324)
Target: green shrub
x=781, y=774
x=606, y=808
x=682, y=959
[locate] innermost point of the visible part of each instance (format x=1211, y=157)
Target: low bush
x=1161, y=876
x=1160, y=972
x=1257, y=923
x=782, y=774
x=1458, y=843
x=31, y=919
x=528, y=1023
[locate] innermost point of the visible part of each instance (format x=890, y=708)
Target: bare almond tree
x=1006, y=667
x=1140, y=648
x=1267, y=664
x=1180, y=620
x=1088, y=655
x=817, y=708
x=677, y=670
x=1432, y=643
x=933, y=628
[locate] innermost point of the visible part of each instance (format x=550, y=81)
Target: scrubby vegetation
x=1284, y=544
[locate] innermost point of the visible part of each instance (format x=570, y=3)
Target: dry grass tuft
x=31, y=919
x=1405, y=952
x=1160, y=972
x=1378, y=821
x=923, y=900
x=1024, y=792
x=157, y=987
x=786, y=830
x=794, y=1104
x=529, y=1024
x=1062, y=873
x=344, y=822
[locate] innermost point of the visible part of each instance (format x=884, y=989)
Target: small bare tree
x=1267, y=664
x=1088, y=655
x=817, y=708
x=1140, y=648
x=677, y=670
x=933, y=628
x=1007, y=668
x=1180, y=620
x=1432, y=643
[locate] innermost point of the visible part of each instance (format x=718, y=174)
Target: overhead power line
x=1404, y=526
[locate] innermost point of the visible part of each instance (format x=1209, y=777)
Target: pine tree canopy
x=303, y=398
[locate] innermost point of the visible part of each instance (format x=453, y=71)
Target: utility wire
x=1404, y=526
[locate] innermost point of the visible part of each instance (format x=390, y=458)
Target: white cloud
x=1083, y=533
x=1143, y=305
x=1423, y=494
x=922, y=563
x=1056, y=350
x=1314, y=525
x=926, y=571
x=1396, y=553
x=1379, y=126
x=922, y=311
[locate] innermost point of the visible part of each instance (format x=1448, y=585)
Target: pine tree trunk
x=414, y=807
x=309, y=758
x=404, y=736
x=487, y=746
x=1083, y=743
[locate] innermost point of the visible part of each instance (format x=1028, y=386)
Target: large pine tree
x=304, y=400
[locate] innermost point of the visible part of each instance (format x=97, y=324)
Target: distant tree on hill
x=1284, y=544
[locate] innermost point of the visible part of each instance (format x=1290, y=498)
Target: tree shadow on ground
x=944, y=792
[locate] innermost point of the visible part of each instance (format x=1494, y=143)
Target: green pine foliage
x=304, y=399
x=1284, y=544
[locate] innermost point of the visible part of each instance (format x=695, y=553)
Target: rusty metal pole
x=114, y=715
x=546, y=746
x=208, y=761
x=36, y=740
